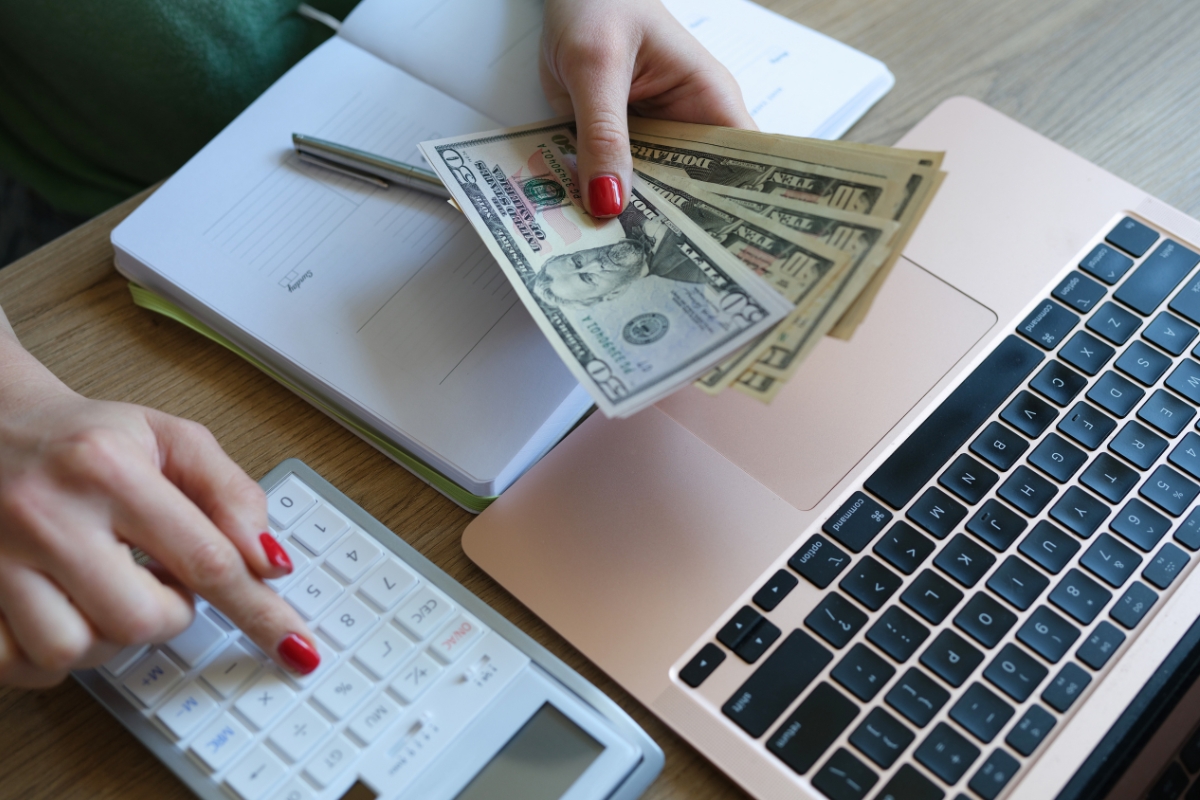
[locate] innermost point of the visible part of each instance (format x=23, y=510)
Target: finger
x=164, y=523
x=16, y=670
x=48, y=629
x=598, y=80
x=194, y=461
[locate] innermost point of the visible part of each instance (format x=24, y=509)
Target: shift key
x=782, y=677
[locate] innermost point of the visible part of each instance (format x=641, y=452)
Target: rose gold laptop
x=953, y=558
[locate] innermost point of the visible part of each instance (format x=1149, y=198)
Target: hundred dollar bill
x=635, y=306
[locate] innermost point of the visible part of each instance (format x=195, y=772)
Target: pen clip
x=341, y=169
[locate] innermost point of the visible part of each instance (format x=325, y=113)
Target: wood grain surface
x=1113, y=81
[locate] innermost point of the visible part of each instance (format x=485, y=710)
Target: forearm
x=23, y=379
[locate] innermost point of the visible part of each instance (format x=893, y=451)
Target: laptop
x=953, y=558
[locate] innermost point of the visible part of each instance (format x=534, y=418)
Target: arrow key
x=773, y=592
x=702, y=665
x=757, y=642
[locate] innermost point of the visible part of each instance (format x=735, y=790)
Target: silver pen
x=377, y=170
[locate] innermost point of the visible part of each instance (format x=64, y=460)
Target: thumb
x=600, y=97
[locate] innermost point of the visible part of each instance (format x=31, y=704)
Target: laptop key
x=1067, y=685
x=1114, y=323
x=1017, y=582
x=1115, y=394
x=1186, y=455
x=1080, y=596
x=859, y=520
x=1109, y=478
x=985, y=620
x=964, y=560
x=836, y=620
x=1027, y=734
x=1139, y=444
x=951, y=658
x=1110, y=561
x=937, y=512
x=1027, y=490
x=1086, y=353
x=1015, y=672
x=931, y=596
x=1157, y=277
x=1186, y=380
x=1187, y=302
x=1049, y=547
x=1029, y=414
x=1100, y=646
x=733, y=632
x=1132, y=236
x=1133, y=605
x=897, y=633
x=997, y=525
x=1079, y=512
x=870, y=583
x=757, y=642
x=1079, y=292
x=1087, y=425
x=1106, y=263
x=703, y=664
x=982, y=712
x=1166, y=565
x=909, y=784
x=1057, y=457
x=1169, y=490
x=1166, y=412
x=946, y=753
x=904, y=547
x=1048, y=634
x=774, y=590
x=863, y=672
x=968, y=479
x=1058, y=383
x=926, y=451
x=1140, y=524
x=1188, y=532
x=1143, y=363
x=1047, y=324
x=999, y=446
x=777, y=682
x=994, y=775
x=1170, y=333
x=917, y=696
x=815, y=725
x=844, y=777
x=882, y=738
x=820, y=561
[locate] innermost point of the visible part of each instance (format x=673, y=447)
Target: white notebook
x=383, y=306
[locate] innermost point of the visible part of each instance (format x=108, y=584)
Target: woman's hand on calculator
x=82, y=480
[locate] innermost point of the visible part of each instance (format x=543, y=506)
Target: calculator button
x=351, y=556
x=457, y=638
x=328, y=658
x=374, y=718
x=124, y=659
x=322, y=528
x=342, y=691
x=186, y=709
x=197, y=641
x=347, y=622
x=415, y=678
x=229, y=670
x=288, y=501
x=387, y=583
x=217, y=744
x=295, y=789
x=298, y=732
x=299, y=561
x=384, y=651
x=424, y=612
x=254, y=776
x=331, y=761
x=153, y=678
x=313, y=593
x=264, y=699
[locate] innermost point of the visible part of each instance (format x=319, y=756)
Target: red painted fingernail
x=275, y=552
x=604, y=196
x=298, y=654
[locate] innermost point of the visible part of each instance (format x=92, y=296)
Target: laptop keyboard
x=993, y=565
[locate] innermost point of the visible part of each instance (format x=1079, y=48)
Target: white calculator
x=423, y=691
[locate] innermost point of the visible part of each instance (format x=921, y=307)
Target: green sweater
x=101, y=98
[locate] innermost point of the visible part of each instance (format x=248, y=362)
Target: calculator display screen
x=541, y=762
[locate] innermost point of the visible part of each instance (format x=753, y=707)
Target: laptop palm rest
x=625, y=539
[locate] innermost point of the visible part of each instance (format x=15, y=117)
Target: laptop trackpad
x=847, y=395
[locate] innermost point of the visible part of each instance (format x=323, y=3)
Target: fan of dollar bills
x=738, y=251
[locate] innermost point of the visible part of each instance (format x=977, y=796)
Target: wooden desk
x=1114, y=81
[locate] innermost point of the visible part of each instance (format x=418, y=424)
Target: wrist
x=24, y=381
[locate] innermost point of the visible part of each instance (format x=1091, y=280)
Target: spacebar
x=929, y=447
